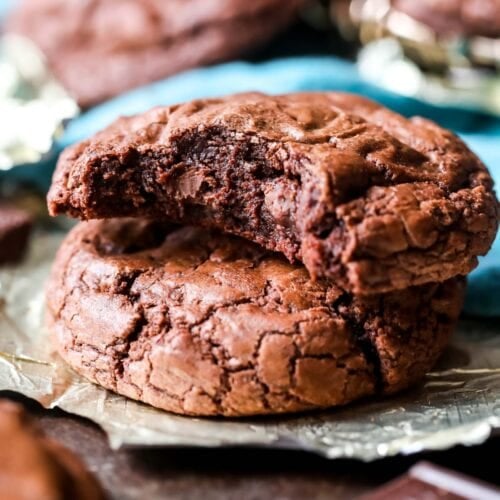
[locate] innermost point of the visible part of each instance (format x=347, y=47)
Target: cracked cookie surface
x=36, y=467
x=99, y=48
x=200, y=323
x=356, y=192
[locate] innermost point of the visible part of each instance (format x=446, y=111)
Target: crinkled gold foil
x=33, y=105
x=459, y=403
x=405, y=56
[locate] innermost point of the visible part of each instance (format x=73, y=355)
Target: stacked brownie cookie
x=259, y=255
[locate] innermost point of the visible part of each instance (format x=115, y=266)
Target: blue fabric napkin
x=481, y=132
x=5, y=7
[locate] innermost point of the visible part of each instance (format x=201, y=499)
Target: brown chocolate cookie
x=452, y=17
x=200, y=323
x=35, y=467
x=356, y=192
x=15, y=229
x=100, y=48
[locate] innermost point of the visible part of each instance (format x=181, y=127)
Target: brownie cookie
x=356, y=192
x=15, y=229
x=34, y=467
x=452, y=17
x=200, y=323
x=100, y=48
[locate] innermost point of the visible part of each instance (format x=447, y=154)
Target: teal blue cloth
x=5, y=7
x=481, y=132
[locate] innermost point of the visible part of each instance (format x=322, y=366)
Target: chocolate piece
x=15, y=229
x=201, y=323
x=430, y=482
x=100, y=48
x=452, y=17
x=356, y=192
x=35, y=467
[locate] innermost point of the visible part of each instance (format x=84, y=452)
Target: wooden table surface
x=240, y=473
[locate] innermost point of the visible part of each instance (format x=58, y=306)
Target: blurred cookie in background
x=446, y=18
x=15, y=230
x=35, y=467
x=100, y=48
x=465, y=17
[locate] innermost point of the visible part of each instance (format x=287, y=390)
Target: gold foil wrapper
x=459, y=403
x=33, y=105
x=405, y=56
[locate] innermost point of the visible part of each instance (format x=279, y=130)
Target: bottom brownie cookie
x=200, y=323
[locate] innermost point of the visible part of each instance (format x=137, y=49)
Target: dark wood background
x=240, y=473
